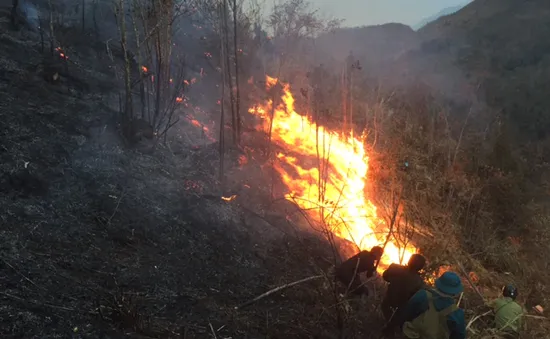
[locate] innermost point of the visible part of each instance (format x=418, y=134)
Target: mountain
x=494, y=53
x=443, y=12
x=371, y=44
x=501, y=47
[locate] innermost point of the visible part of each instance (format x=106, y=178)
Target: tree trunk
x=14, y=14
x=140, y=62
x=227, y=58
x=52, y=38
x=237, y=86
x=83, y=15
x=221, y=149
x=127, y=70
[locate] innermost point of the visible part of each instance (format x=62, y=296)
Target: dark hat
x=377, y=251
x=416, y=262
x=510, y=291
x=449, y=283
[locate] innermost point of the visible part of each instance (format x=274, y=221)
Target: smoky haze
x=376, y=12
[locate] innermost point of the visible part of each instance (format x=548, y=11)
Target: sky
x=375, y=12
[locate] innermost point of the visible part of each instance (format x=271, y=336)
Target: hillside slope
x=503, y=47
x=100, y=240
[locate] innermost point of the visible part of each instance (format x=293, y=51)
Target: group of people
x=419, y=310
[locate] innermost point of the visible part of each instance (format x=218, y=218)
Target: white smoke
x=29, y=12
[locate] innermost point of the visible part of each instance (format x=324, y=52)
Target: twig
x=116, y=208
x=460, y=299
x=469, y=280
x=212, y=330
x=261, y=296
x=21, y=274
x=37, y=303
x=535, y=316
x=476, y=318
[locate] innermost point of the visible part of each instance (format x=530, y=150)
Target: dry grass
x=472, y=216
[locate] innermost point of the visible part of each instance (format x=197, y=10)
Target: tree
x=294, y=25
x=158, y=72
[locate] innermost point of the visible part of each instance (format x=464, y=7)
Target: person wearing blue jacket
x=433, y=313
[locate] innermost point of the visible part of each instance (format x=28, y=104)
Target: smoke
x=30, y=13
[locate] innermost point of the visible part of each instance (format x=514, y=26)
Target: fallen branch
x=469, y=280
x=277, y=289
x=476, y=318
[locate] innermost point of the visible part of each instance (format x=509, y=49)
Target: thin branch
x=277, y=289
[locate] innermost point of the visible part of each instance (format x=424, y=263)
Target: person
x=348, y=271
x=508, y=312
x=433, y=313
x=403, y=282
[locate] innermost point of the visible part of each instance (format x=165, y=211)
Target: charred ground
x=103, y=241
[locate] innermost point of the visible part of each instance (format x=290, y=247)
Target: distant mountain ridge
x=443, y=12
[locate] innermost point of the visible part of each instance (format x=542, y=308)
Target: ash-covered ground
x=103, y=241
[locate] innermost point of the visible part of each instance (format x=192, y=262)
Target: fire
x=229, y=198
x=341, y=201
x=144, y=69
x=61, y=53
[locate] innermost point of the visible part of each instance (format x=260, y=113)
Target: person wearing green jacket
x=508, y=312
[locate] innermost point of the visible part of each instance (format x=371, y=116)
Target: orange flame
x=144, y=69
x=229, y=198
x=341, y=202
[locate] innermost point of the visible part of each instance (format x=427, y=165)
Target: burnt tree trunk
x=237, y=86
x=15, y=14
x=128, y=108
x=229, y=79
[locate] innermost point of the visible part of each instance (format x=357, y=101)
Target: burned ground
x=101, y=241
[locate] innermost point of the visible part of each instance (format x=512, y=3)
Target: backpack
x=431, y=324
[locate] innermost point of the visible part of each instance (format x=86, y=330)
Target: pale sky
x=374, y=12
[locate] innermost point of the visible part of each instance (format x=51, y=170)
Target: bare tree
x=153, y=68
x=51, y=26
x=128, y=105
x=294, y=24
x=235, y=10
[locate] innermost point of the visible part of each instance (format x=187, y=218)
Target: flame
x=144, y=69
x=61, y=53
x=229, y=198
x=341, y=202
x=179, y=99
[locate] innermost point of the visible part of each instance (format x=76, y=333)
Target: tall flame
x=339, y=197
